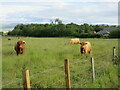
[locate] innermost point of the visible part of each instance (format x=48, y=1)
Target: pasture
x=42, y=54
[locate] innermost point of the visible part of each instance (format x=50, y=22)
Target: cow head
x=21, y=46
x=83, y=51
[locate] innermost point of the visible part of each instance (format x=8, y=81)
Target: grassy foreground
x=42, y=54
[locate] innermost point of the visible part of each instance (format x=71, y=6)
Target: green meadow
x=42, y=55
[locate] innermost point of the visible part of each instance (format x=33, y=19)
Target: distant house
x=110, y=29
x=106, y=31
x=93, y=32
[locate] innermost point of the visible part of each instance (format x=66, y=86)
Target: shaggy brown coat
x=74, y=41
x=85, y=48
x=9, y=38
x=19, y=47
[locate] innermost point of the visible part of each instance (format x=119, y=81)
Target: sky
x=42, y=11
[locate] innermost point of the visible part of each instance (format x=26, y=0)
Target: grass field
x=42, y=54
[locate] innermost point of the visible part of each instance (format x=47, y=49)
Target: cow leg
x=90, y=51
x=86, y=52
x=17, y=53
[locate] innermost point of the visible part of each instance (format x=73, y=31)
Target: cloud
x=41, y=12
x=59, y=1
x=12, y=11
x=86, y=13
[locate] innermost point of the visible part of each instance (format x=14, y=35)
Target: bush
x=89, y=35
x=115, y=33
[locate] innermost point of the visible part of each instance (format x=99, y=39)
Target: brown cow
x=9, y=38
x=19, y=47
x=86, y=48
x=74, y=41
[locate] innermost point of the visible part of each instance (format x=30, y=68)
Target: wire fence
x=39, y=73
x=51, y=79
x=11, y=83
x=48, y=70
x=50, y=76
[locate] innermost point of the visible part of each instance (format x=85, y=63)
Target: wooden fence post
x=93, y=70
x=26, y=80
x=67, y=74
x=114, y=52
x=115, y=60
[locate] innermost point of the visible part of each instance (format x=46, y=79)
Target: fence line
x=34, y=75
x=40, y=81
x=55, y=68
x=101, y=56
x=41, y=73
x=47, y=71
x=79, y=62
x=48, y=77
x=10, y=83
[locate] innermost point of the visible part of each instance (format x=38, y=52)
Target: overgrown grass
x=42, y=54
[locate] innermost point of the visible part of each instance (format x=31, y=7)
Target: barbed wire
x=79, y=62
x=56, y=68
x=46, y=71
x=101, y=56
x=38, y=73
x=34, y=75
x=50, y=70
x=11, y=83
x=39, y=81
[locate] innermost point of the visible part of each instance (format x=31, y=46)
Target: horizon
x=6, y=28
x=40, y=12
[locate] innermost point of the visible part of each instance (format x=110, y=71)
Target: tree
x=57, y=21
x=98, y=28
x=115, y=33
x=56, y=29
x=86, y=28
x=51, y=21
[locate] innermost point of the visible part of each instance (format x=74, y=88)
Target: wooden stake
x=115, y=60
x=93, y=70
x=114, y=52
x=67, y=74
x=26, y=80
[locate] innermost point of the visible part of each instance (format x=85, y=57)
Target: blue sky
x=42, y=11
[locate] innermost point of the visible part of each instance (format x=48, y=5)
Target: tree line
x=57, y=29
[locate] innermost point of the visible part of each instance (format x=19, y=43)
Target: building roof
x=104, y=32
x=107, y=30
x=110, y=29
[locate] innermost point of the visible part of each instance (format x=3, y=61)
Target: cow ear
x=24, y=42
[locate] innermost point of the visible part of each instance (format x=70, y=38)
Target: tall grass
x=45, y=53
